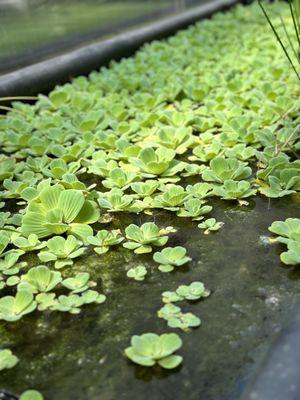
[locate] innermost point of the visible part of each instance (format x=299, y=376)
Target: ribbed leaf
x=49, y=197
x=23, y=300
x=88, y=214
x=34, y=223
x=70, y=202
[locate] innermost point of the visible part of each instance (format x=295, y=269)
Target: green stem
x=294, y=21
x=279, y=40
x=18, y=98
x=289, y=38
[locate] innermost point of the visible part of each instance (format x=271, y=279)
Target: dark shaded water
x=80, y=357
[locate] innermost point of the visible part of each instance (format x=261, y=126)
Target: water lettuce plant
x=292, y=256
x=120, y=179
x=178, y=139
x=144, y=189
x=14, y=308
x=176, y=319
x=138, y=273
x=281, y=178
x=171, y=257
x=29, y=243
x=31, y=395
x=115, y=201
x=231, y=190
x=210, y=225
x=39, y=279
x=194, y=291
x=78, y=284
x=200, y=190
x=141, y=239
x=4, y=240
x=7, y=359
x=150, y=349
x=105, y=239
x=194, y=208
x=172, y=197
x=157, y=134
x=222, y=169
x=61, y=250
x=57, y=210
x=9, y=265
x=73, y=302
x=288, y=230
x=158, y=162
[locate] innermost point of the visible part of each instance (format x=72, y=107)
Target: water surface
x=80, y=357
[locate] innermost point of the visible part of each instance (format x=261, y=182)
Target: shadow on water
x=80, y=357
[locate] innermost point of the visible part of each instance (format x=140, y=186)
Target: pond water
x=80, y=357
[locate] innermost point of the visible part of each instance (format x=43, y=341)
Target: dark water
x=80, y=357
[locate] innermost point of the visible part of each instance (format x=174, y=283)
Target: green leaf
x=7, y=359
x=31, y=395
x=170, y=362
x=70, y=202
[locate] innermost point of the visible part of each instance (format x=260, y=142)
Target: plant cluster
x=288, y=232
x=129, y=140
x=149, y=349
x=173, y=314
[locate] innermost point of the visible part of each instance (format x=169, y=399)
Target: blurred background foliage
x=30, y=30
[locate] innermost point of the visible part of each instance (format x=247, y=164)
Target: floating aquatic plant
x=194, y=208
x=176, y=319
x=10, y=265
x=159, y=162
x=141, y=239
x=118, y=178
x=39, y=279
x=7, y=359
x=222, y=169
x=172, y=198
x=144, y=189
x=280, y=178
x=115, y=201
x=194, y=291
x=171, y=257
x=56, y=211
x=138, y=273
x=105, y=239
x=29, y=243
x=62, y=251
x=210, y=225
x=231, y=190
x=73, y=302
x=14, y=308
x=31, y=395
x=286, y=230
x=292, y=256
x=149, y=349
x=131, y=140
x=78, y=284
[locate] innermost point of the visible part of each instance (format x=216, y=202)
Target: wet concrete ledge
x=43, y=76
x=278, y=378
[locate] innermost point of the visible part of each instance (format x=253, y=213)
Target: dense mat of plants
x=209, y=113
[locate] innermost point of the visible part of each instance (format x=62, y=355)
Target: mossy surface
x=79, y=357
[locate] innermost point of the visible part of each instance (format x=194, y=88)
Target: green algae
x=79, y=357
